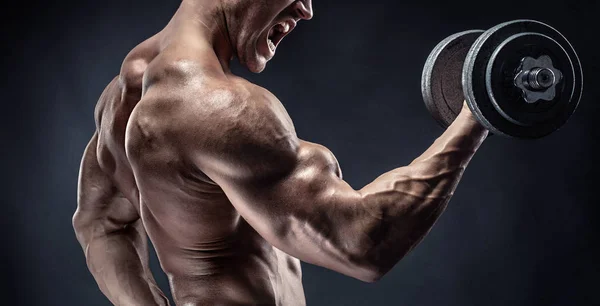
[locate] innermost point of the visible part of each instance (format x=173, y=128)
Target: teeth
x=271, y=45
x=283, y=27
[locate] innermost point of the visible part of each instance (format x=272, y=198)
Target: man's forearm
x=407, y=201
x=118, y=263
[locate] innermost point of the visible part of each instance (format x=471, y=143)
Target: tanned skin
x=208, y=165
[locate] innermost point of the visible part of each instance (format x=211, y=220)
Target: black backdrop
x=521, y=229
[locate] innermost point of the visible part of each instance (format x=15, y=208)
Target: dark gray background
x=521, y=229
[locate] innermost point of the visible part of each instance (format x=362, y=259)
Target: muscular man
x=209, y=166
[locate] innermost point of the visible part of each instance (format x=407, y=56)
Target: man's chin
x=255, y=64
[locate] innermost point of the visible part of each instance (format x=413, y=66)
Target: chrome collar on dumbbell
x=537, y=78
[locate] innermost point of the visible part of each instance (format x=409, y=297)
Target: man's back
x=210, y=167
x=211, y=255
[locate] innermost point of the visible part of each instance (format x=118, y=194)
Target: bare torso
x=210, y=254
x=210, y=167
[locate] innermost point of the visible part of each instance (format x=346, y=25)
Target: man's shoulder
x=194, y=92
x=232, y=123
x=201, y=109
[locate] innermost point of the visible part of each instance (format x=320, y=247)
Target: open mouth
x=278, y=32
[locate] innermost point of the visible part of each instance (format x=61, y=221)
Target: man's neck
x=208, y=19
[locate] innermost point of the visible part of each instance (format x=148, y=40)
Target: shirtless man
x=209, y=166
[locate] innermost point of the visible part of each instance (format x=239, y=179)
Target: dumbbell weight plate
x=489, y=72
x=441, y=85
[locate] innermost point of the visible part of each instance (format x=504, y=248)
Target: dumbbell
x=521, y=78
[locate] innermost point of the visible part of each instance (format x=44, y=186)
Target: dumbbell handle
x=537, y=79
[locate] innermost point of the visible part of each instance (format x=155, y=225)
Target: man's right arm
x=291, y=191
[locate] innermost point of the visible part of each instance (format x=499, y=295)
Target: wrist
x=467, y=119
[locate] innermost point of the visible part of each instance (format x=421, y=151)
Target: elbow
x=367, y=272
x=367, y=268
x=370, y=276
x=79, y=225
x=371, y=269
x=83, y=226
x=375, y=258
x=77, y=222
x=367, y=253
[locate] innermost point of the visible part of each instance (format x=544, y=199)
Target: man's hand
x=467, y=114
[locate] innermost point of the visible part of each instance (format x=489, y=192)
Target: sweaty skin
x=210, y=168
